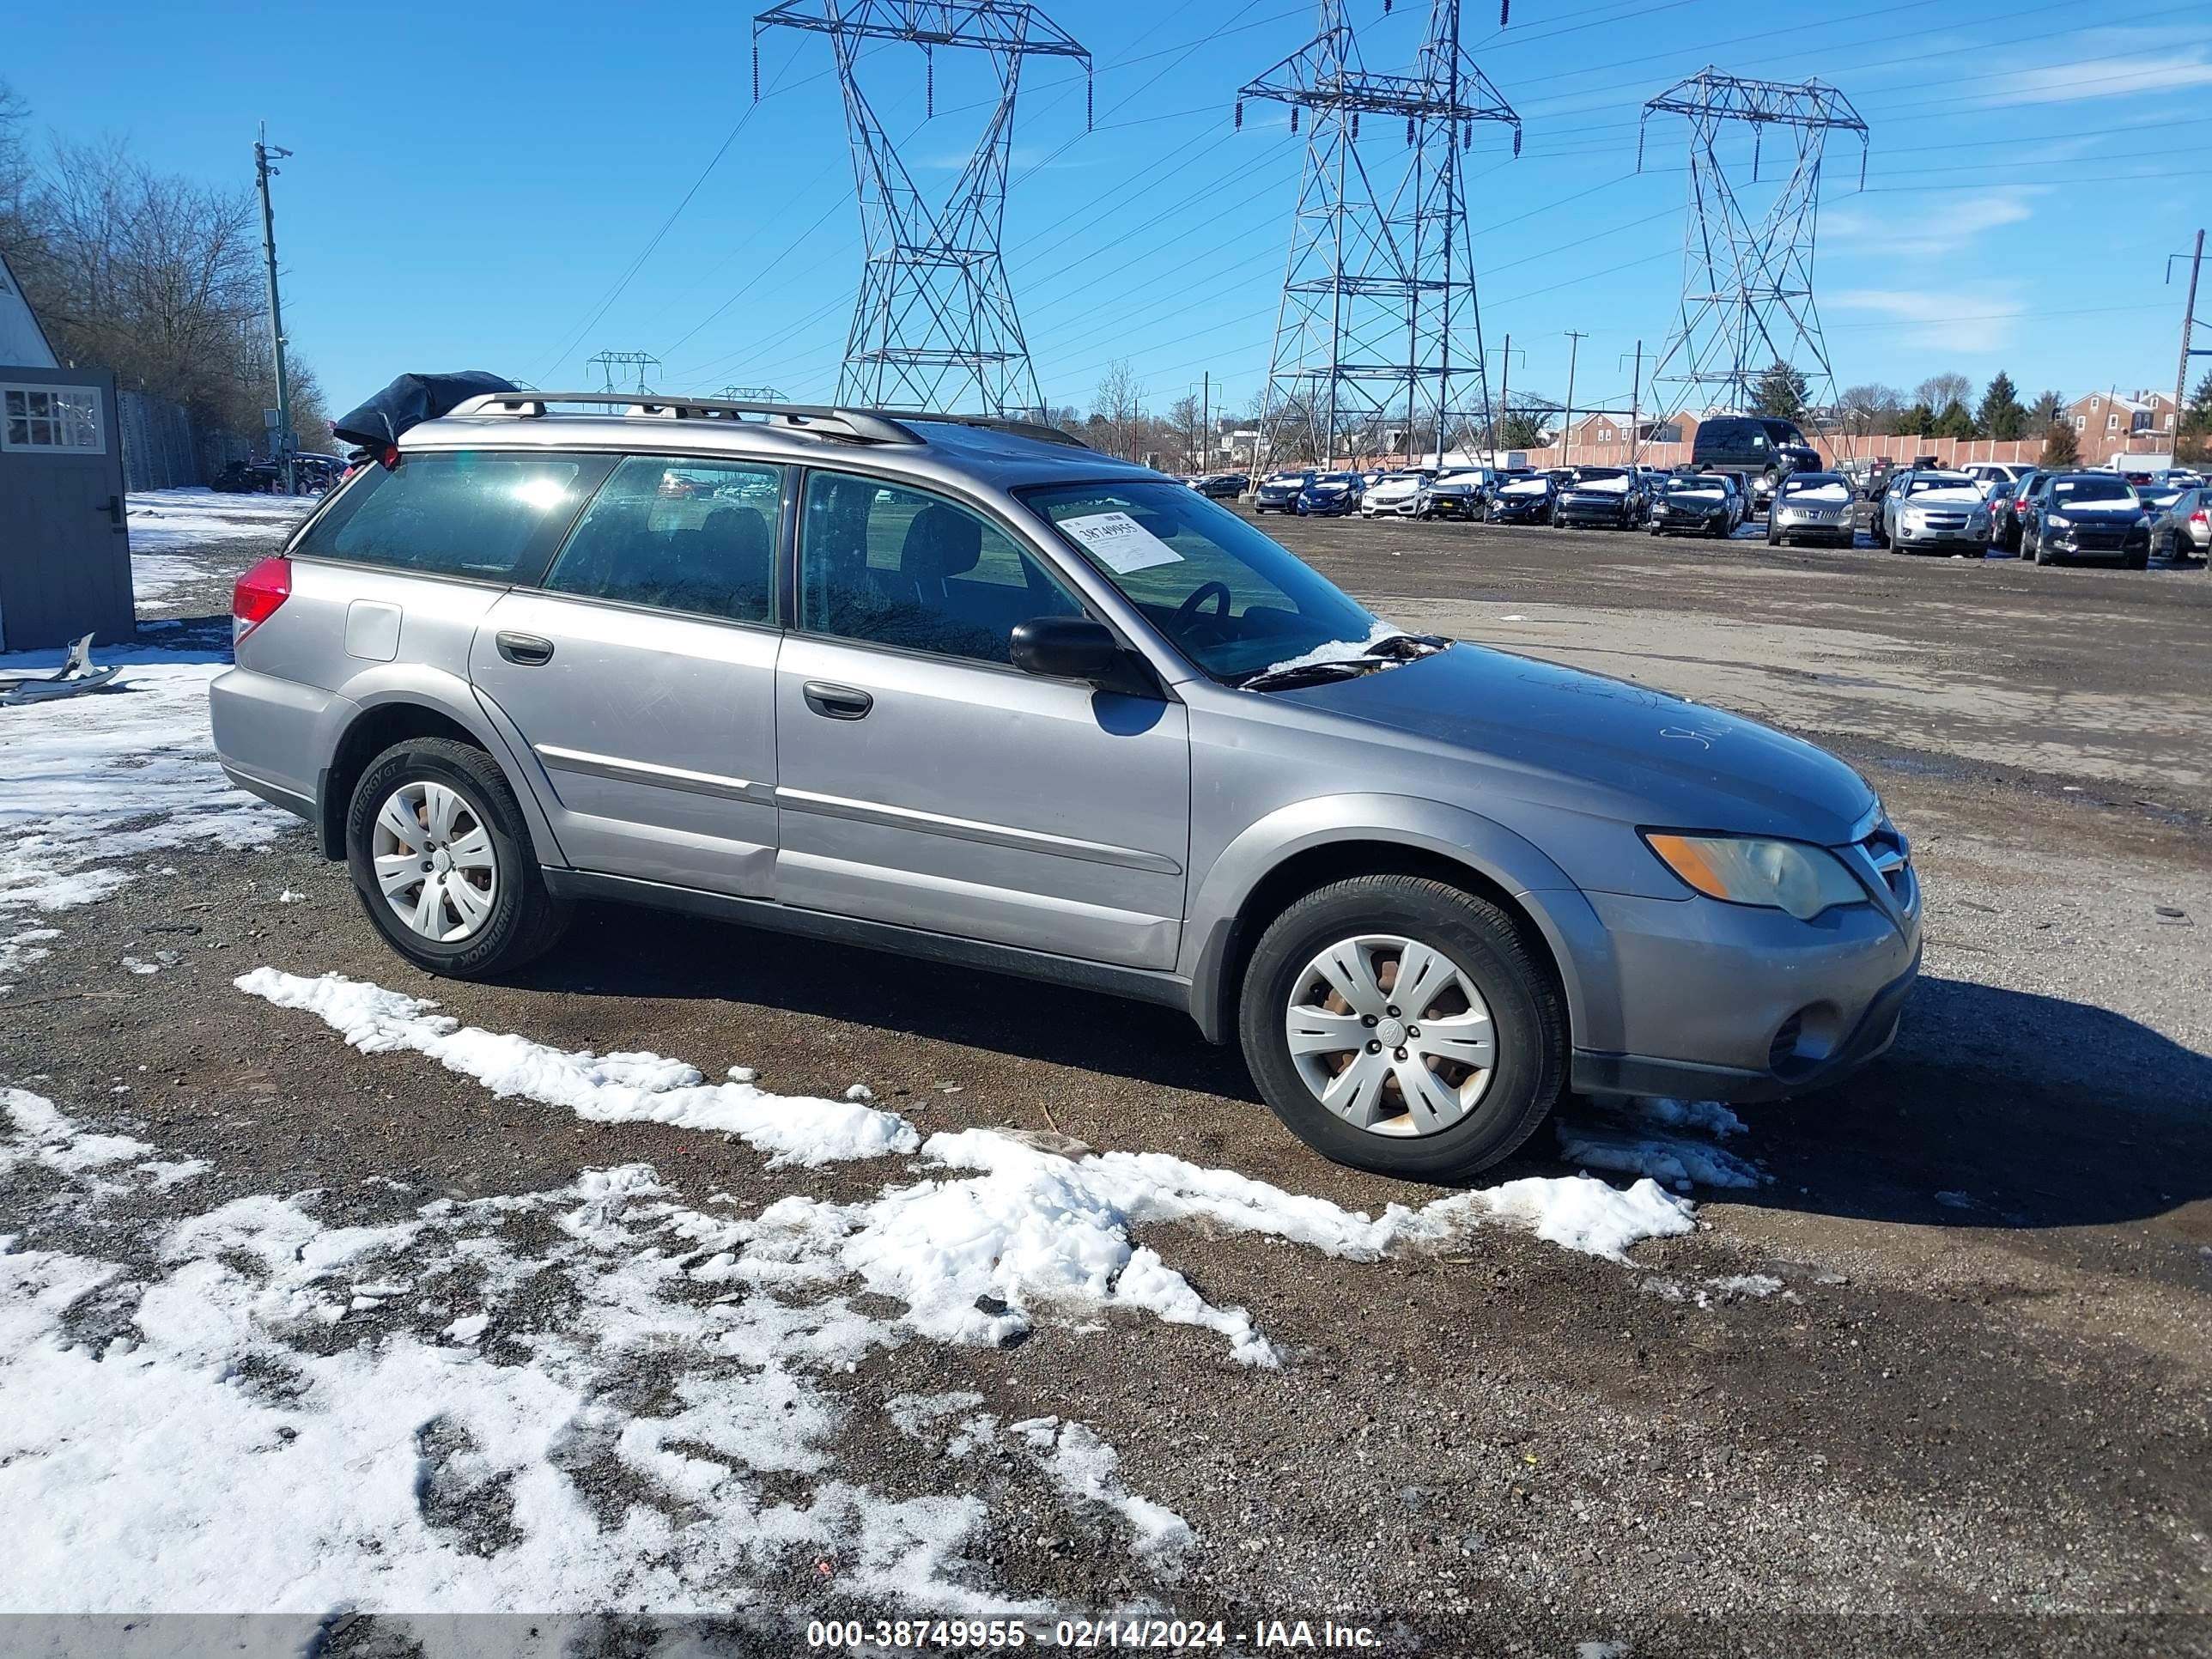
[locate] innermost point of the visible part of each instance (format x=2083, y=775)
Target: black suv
x=1759, y=449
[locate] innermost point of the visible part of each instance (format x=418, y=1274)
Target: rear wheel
x=1400, y=1025
x=442, y=860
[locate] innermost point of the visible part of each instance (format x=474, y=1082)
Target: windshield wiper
x=1404, y=647
x=1309, y=673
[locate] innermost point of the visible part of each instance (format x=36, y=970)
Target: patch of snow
x=224, y=1454
x=1672, y=1159
x=1087, y=1468
x=1338, y=650
x=1603, y=486
x=1827, y=492
x=1705, y=1117
x=860, y=1092
x=75, y=773
x=44, y=1135
x=1003, y=1231
x=620, y=1088
x=287, y=896
x=136, y=965
x=1524, y=486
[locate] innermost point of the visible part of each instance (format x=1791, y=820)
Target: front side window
x=904, y=568
x=680, y=534
x=51, y=417
x=1231, y=600
x=492, y=516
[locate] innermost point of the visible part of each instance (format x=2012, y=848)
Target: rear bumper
x=269, y=735
x=1724, y=1002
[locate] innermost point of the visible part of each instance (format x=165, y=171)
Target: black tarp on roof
x=411, y=400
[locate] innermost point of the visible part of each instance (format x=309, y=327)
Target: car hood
x=2128, y=510
x=1606, y=746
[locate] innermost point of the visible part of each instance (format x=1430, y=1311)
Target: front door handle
x=837, y=703
x=525, y=650
x=113, y=507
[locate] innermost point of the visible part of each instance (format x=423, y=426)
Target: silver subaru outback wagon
x=969, y=692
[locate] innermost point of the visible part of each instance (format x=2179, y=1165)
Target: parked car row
x=2047, y=515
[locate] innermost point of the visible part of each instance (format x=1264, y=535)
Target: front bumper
x=1599, y=518
x=1789, y=524
x=1723, y=1002
x=1910, y=536
x=1405, y=507
x=2070, y=543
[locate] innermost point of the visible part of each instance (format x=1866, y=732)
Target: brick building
x=2112, y=422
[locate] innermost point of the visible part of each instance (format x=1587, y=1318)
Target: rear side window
x=495, y=517
x=682, y=534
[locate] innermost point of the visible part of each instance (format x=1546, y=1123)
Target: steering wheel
x=1217, y=591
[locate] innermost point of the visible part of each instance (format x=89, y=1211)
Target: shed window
x=60, y=418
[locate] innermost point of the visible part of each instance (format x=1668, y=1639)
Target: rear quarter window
x=488, y=515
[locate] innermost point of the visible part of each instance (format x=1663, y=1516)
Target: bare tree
x=1119, y=404
x=1186, y=433
x=1940, y=391
x=1871, y=408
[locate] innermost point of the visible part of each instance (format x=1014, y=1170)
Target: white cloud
x=1951, y=318
x=1919, y=232
x=2113, y=77
x=2117, y=61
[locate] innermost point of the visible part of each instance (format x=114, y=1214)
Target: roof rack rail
x=1036, y=429
x=858, y=425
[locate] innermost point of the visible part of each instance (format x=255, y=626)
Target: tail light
x=258, y=594
x=2200, y=516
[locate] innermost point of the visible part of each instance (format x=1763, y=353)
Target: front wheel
x=1399, y=1025
x=2033, y=547
x=441, y=860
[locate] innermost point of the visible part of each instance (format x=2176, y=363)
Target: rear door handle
x=113, y=507
x=525, y=650
x=837, y=703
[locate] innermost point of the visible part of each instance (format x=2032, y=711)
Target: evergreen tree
x=1917, y=422
x=2193, y=440
x=2060, y=450
x=1780, y=392
x=2047, y=408
x=2001, y=416
x=1954, y=422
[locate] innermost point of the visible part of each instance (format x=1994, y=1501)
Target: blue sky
x=474, y=184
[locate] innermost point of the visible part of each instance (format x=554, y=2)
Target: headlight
x=2057, y=521
x=1776, y=875
x=1977, y=519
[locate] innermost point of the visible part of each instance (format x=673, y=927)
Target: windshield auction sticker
x=1120, y=543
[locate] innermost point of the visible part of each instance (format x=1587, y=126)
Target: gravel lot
x=1940, y=1385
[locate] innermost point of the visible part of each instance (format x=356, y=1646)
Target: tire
x=2137, y=561
x=2034, y=547
x=1480, y=946
x=1773, y=538
x=523, y=919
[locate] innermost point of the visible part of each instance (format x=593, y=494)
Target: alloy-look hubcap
x=434, y=862
x=1391, y=1035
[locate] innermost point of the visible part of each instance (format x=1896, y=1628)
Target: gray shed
x=64, y=546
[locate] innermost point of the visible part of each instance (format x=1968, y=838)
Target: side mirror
x=1064, y=648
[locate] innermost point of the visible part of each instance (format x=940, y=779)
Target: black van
x=1758, y=448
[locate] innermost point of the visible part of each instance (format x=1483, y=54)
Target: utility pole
x=281, y=438
x=2188, y=325
x=1575, y=339
x=1635, y=391
x=1205, y=415
x=1504, y=405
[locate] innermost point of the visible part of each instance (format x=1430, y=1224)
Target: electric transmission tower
x=934, y=325
x=752, y=394
x=1748, y=249
x=608, y=362
x=1379, y=323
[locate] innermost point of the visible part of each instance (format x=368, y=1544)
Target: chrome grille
x=1890, y=854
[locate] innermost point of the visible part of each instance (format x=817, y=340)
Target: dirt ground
x=1975, y=1417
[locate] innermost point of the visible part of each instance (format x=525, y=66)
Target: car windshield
x=2092, y=490
x=1923, y=486
x=1696, y=487
x=1339, y=478
x=1816, y=489
x=1526, y=486
x=1605, y=480
x=1232, y=600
